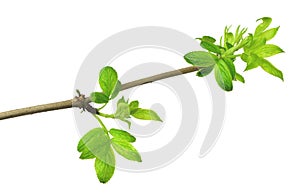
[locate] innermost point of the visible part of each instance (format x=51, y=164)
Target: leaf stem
x=101, y=123
x=106, y=115
x=102, y=107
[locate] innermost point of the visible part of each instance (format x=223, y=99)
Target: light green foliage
x=200, y=58
x=116, y=90
x=108, y=79
x=100, y=143
x=266, y=21
x=223, y=75
x=95, y=142
x=123, y=110
x=133, y=106
x=98, y=97
x=145, y=114
x=221, y=58
x=105, y=171
x=239, y=77
x=121, y=134
x=125, y=149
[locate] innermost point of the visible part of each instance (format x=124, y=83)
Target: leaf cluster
x=101, y=143
x=220, y=57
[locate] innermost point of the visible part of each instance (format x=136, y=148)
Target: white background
x=42, y=46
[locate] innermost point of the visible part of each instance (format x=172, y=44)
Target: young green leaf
x=116, y=90
x=122, y=135
x=245, y=57
x=105, y=169
x=125, y=149
x=266, y=21
x=254, y=44
x=95, y=142
x=230, y=38
x=239, y=77
x=97, y=97
x=81, y=147
x=269, y=34
x=267, y=50
x=237, y=32
x=239, y=35
x=86, y=154
x=207, y=39
x=133, y=106
x=270, y=68
x=108, y=79
x=123, y=111
x=223, y=76
x=230, y=66
x=210, y=47
x=205, y=71
x=246, y=42
x=145, y=114
x=200, y=58
x=252, y=62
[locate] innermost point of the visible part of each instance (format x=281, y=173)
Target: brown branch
x=83, y=102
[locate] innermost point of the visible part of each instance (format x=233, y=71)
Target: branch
x=83, y=102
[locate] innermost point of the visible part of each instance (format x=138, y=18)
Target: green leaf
x=200, y=58
x=266, y=21
x=122, y=135
x=207, y=39
x=96, y=142
x=86, y=154
x=104, y=170
x=267, y=50
x=246, y=42
x=145, y=114
x=239, y=77
x=239, y=34
x=223, y=76
x=210, y=47
x=108, y=79
x=245, y=57
x=205, y=71
x=252, y=62
x=97, y=97
x=255, y=43
x=230, y=38
x=230, y=66
x=226, y=33
x=133, y=106
x=126, y=150
x=123, y=111
x=116, y=90
x=269, y=34
x=270, y=68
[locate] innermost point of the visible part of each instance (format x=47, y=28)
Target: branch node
x=83, y=103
